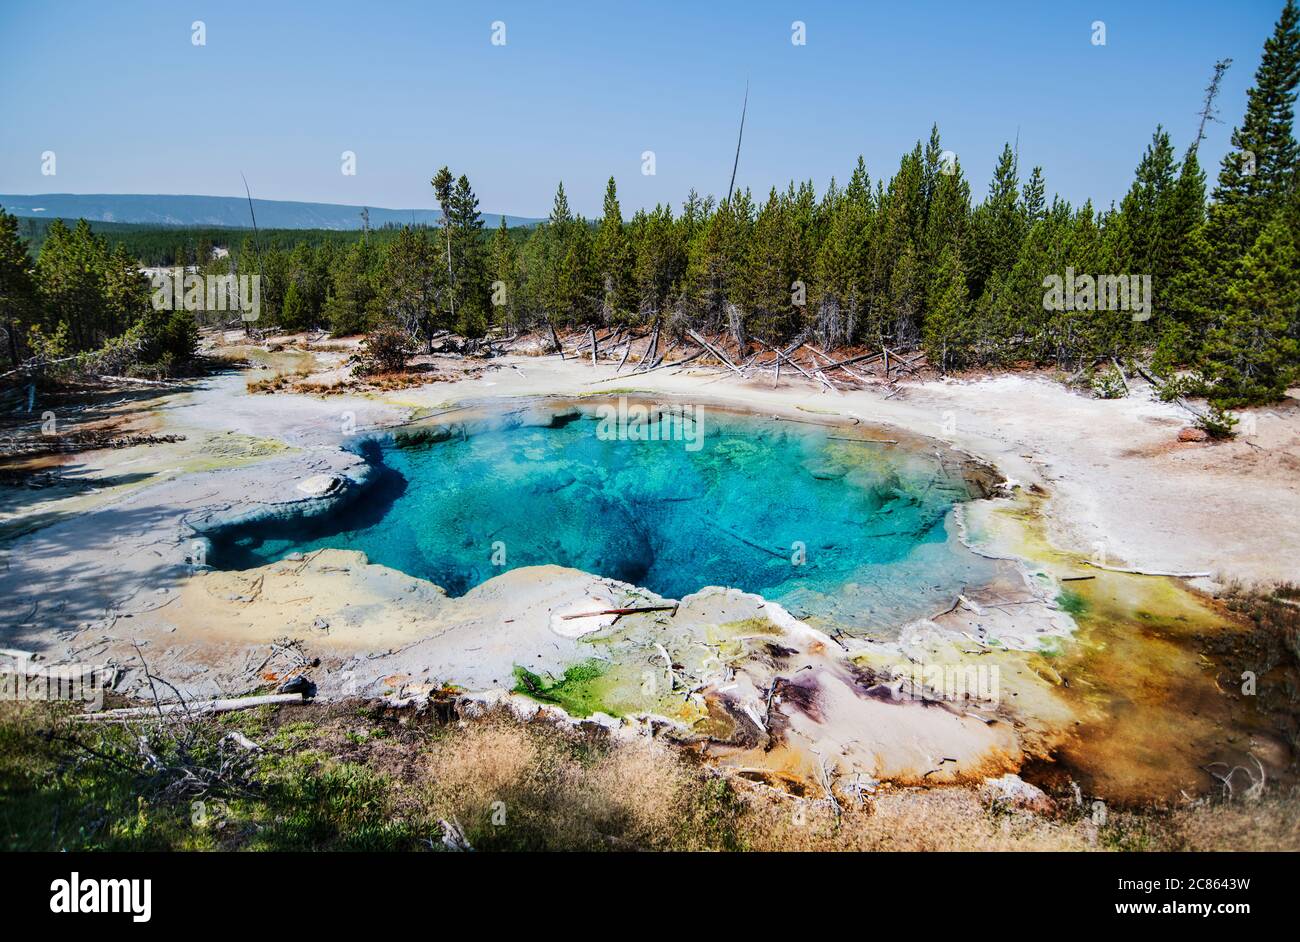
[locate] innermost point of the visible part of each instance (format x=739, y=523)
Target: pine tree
x=561, y=216
x=899, y=220
x=1182, y=267
x=442, y=183
x=294, y=314
x=906, y=295
x=126, y=291
x=1256, y=186
x=1255, y=179
x=18, y=300
x=614, y=261
x=947, y=218
x=1084, y=334
x=578, y=284
x=947, y=336
x=1137, y=230
x=469, y=260
x=536, y=275
x=274, y=269
x=310, y=279
x=1259, y=172
x=1253, y=355
x=1019, y=312
x=1034, y=199
x=548, y=256
x=408, y=287
x=352, y=302
x=504, y=265
x=660, y=261
x=838, y=274
x=70, y=275
x=714, y=276
x=997, y=227
x=765, y=279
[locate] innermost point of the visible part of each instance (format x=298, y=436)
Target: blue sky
x=578, y=92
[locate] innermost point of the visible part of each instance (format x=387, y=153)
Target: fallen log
x=901, y=363
x=784, y=356
x=136, y=379
x=592, y=330
x=716, y=352
x=661, y=366
x=1120, y=370
x=663, y=356
x=676, y=363
x=36, y=364
x=748, y=542
x=192, y=709
x=831, y=365
x=1146, y=375
x=860, y=358
x=622, y=611
x=1148, y=572
x=651, y=350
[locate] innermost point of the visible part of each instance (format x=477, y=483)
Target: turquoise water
x=840, y=531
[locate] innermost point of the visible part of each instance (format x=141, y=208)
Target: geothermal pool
x=833, y=527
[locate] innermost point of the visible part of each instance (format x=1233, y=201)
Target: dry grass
x=562, y=790
x=347, y=775
x=406, y=379
x=531, y=787
x=280, y=382
x=297, y=383
x=1271, y=823
x=940, y=819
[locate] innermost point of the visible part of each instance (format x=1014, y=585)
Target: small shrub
x=1109, y=385
x=386, y=349
x=1217, y=422
x=1182, y=387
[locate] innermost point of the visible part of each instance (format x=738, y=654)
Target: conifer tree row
x=909, y=260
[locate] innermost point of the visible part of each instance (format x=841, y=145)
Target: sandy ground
x=90, y=575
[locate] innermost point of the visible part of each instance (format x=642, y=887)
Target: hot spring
x=834, y=524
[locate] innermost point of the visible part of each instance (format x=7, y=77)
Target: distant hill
x=220, y=211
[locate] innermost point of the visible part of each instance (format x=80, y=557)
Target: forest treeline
x=158, y=246
x=905, y=261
